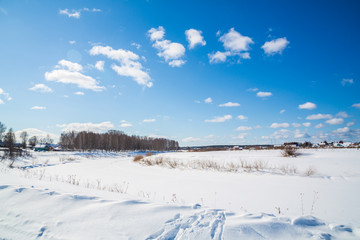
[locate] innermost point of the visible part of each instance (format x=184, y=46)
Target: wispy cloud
x=318, y=116
x=280, y=125
x=242, y=117
x=208, y=100
x=41, y=88
x=94, y=127
x=345, y=82
x=149, y=120
x=264, y=94
x=38, y=108
x=335, y=121
x=190, y=139
x=99, y=65
x=243, y=128
x=219, y=119
x=77, y=13
x=356, y=105
x=229, y=104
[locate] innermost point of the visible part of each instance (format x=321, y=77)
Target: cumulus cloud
x=280, y=125
x=347, y=82
x=170, y=51
x=264, y=94
x=194, y=38
x=99, y=65
x=38, y=108
x=1, y=101
x=306, y=124
x=243, y=128
x=356, y=105
x=41, y=88
x=296, y=125
x=149, y=120
x=129, y=63
x=93, y=127
x=342, y=130
x=299, y=134
x=320, y=125
x=229, y=104
x=72, y=42
x=242, y=117
x=308, y=106
x=275, y=46
x=70, y=74
x=190, y=139
x=318, y=116
x=241, y=136
x=79, y=93
x=208, y=100
x=335, y=121
x=219, y=119
x=235, y=44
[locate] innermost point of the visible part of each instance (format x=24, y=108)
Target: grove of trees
x=114, y=140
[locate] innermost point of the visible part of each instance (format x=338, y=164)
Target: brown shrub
x=137, y=158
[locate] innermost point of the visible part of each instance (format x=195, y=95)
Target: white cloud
x=70, y=75
x=264, y=94
x=129, y=64
x=296, y=125
x=72, y=14
x=79, y=93
x=280, y=125
x=235, y=44
x=93, y=127
x=219, y=119
x=318, y=116
x=190, y=139
x=38, y=108
x=38, y=133
x=307, y=105
x=282, y=111
x=335, y=121
x=242, y=117
x=356, y=105
x=126, y=125
x=275, y=46
x=252, y=90
x=350, y=124
x=299, y=134
x=41, y=88
x=149, y=120
x=241, y=136
x=342, y=130
x=208, y=100
x=170, y=51
x=229, y=104
x=243, y=128
x=347, y=82
x=218, y=57
x=342, y=114
x=320, y=125
x=100, y=65
x=177, y=63
x=72, y=42
x=209, y=136
x=5, y=96
x=157, y=136
x=138, y=46
x=194, y=38
x=306, y=124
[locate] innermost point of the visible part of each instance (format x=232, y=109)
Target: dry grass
x=137, y=158
x=289, y=152
x=310, y=171
x=148, y=154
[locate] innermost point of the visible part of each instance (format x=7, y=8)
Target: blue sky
x=204, y=72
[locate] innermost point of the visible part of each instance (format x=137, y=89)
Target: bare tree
x=33, y=141
x=2, y=130
x=24, y=136
x=10, y=141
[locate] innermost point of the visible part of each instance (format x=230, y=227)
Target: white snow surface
x=74, y=195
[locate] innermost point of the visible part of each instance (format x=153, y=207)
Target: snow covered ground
x=67, y=195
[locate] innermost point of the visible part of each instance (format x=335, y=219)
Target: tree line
x=114, y=140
